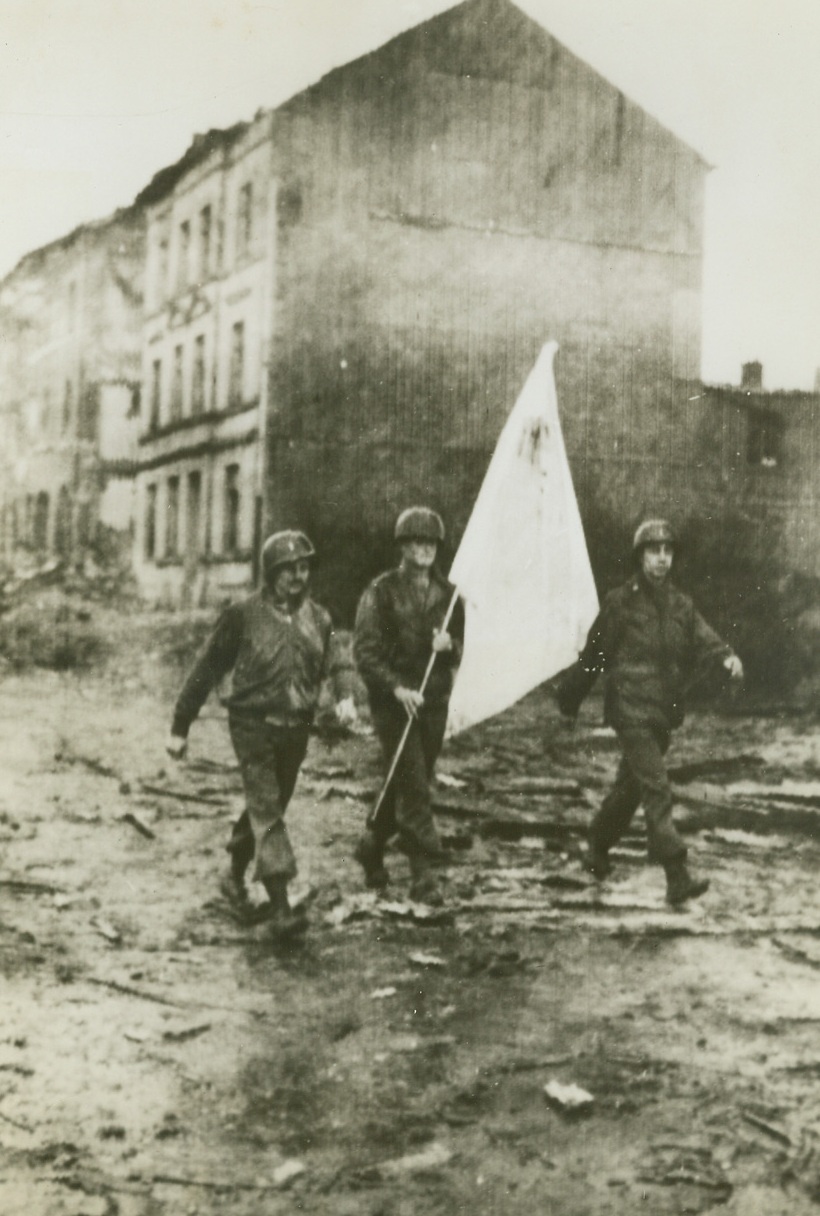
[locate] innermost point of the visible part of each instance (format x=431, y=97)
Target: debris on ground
x=106, y=930
x=728, y=767
x=287, y=1172
x=450, y=782
x=399, y=1050
x=802, y=793
x=427, y=960
x=431, y=1158
x=571, y=1099
x=140, y=824
x=182, y=1033
x=671, y=1165
x=533, y=785
x=370, y=905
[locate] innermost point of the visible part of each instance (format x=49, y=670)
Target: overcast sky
x=96, y=95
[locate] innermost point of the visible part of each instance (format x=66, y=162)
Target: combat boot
x=232, y=886
x=283, y=920
x=371, y=858
x=596, y=860
x=424, y=886
x=681, y=885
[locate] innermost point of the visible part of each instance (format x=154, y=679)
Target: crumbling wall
x=446, y=206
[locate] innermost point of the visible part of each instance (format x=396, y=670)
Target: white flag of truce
x=522, y=567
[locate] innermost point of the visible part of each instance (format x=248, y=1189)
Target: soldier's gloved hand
x=734, y=667
x=409, y=699
x=441, y=641
x=346, y=712
x=176, y=746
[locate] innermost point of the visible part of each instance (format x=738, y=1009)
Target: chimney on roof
x=817, y=381
x=751, y=376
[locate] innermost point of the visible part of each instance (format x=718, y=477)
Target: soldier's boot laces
x=681, y=885
x=370, y=857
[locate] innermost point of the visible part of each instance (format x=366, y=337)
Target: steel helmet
x=419, y=523
x=284, y=547
x=653, y=532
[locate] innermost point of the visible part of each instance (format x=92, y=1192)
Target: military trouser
x=641, y=779
x=269, y=760
x=407, y=808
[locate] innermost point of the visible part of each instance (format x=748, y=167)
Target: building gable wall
x=447, y=205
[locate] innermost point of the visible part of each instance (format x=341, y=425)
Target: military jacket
x=278, y=663
x=651, y=644
x=394, y=634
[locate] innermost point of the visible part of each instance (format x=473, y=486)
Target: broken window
x=62, y=524
x=205, y=229
x=150, y=525
x=172, y=518
x=28, y=519
x=45, y=422
x=230, y=519
x=88, y=411
x=198, y=376
x=244, y=220
x=68, y=404
x=83, y=525
x=41, y=522
x=183, y=255
x=765, y=438
x=220, y=243
x=194, y=511
x=236, y=374
x=161, y=283
x=176, y=385
x=156, y=394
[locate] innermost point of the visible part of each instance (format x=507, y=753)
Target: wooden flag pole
x=372, y=817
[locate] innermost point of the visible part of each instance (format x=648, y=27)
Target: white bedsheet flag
x=522, y=567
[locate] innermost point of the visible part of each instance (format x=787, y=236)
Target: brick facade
x=445, y=206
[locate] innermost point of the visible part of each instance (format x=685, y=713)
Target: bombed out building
x=750, y=513
x=69, y=392
x=342, y=300
x=210, y=278
x=387, y=253
x=445, y=205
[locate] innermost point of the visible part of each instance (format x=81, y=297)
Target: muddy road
x=158, y=1057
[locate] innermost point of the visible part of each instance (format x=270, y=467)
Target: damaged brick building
x=70, y=314
x=209, y=282
x=345, y=294
x=445, y=205
x=395, y=244
x=750, y=521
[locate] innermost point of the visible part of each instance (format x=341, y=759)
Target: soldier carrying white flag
x=524, y=575
x=407, y=643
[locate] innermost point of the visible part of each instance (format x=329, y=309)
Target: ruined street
x=157, y=1057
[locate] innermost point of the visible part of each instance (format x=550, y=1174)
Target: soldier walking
x=279, y=645
x=399, y=624
x=647, y=640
